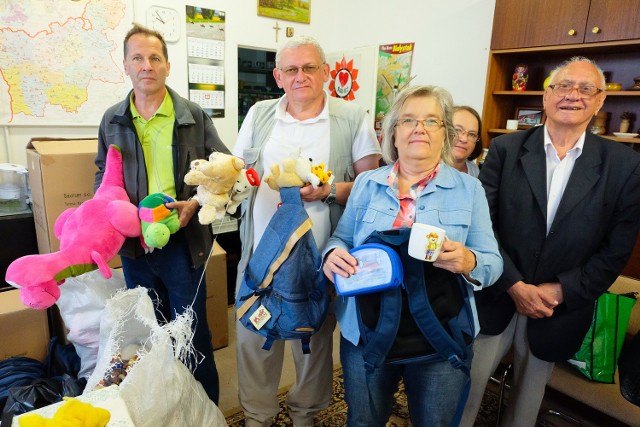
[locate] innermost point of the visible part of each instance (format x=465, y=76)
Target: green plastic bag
x=598, y=356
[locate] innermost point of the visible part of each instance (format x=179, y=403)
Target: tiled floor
x=226, y=364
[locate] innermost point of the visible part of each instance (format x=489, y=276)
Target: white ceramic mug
x=425, y=242
x=512, y=124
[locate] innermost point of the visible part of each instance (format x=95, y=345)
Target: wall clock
x=165, y=20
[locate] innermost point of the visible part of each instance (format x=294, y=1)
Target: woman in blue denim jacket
x=418, y=185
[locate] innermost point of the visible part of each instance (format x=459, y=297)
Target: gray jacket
x=345, y=122
x=194, y=137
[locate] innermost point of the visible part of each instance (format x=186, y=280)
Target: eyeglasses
x=306, y=69
x=564, y=89
x=429, y=124
x=473, y=136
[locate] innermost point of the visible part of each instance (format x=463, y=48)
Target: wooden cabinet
x=619, y=60
x=529, y=23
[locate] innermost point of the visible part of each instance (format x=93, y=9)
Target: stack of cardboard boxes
x=61, y=175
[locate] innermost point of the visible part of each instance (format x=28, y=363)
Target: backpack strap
x=379, y=343
x=432, y=329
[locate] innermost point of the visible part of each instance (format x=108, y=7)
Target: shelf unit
x=255, y=79
x=619, y=61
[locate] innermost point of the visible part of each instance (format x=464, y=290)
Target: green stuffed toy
x=158, y=222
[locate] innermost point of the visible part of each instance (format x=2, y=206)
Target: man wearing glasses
x=565, y=206
x=306, y=122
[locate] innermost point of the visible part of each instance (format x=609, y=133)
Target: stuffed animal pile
x=222, y=185
x=90, y=236
x=297, y=172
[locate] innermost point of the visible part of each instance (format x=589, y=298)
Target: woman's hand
x=340, y=262
x=455, y=257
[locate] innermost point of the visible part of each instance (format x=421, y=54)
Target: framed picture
x=296, y=11
x=529, y=117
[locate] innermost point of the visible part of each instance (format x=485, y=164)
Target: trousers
x=529, y=380
x=259, y=373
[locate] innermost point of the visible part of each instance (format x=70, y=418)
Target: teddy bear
x=246, y=179
x=90, y=236
x=216, y=179
x=304, y=171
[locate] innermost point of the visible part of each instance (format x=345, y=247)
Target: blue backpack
x=426, y=319
x=283, y=294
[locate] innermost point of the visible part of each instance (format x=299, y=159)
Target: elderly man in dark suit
x=565, y=206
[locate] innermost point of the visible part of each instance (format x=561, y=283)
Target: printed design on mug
x=432, y=245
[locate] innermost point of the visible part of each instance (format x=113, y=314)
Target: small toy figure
x=432, y=245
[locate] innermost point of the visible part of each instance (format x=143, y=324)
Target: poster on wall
x=353, y=76
x=394, y=73
x=205, y=58
x=62, y=64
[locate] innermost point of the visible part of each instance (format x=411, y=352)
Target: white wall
x=452, y=44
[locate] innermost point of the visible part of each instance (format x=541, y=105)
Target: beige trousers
x=530, y=375
x=259, y=374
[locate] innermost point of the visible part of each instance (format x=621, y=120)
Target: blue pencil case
x=379, y=268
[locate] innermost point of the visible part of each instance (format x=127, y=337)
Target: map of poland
x=61, y=61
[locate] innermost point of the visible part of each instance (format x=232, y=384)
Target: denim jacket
x=453, y=201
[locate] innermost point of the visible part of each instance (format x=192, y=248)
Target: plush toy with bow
x=90, y=236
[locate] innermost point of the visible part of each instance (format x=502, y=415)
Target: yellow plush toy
x=286, y=177
x=73, y=413
x=323, y=174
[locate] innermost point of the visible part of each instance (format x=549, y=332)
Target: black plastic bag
x=18, y=371
x=629, y=370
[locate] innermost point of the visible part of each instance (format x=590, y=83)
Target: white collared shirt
x=558, y=173
x=310, y=138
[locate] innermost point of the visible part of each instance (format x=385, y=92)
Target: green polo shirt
x=156, y=137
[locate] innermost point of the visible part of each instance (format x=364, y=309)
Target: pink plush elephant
x=90, y=236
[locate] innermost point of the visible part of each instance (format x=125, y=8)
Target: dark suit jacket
x=590, y=240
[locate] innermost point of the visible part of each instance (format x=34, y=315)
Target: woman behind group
x=417, y=185
x=467, y=146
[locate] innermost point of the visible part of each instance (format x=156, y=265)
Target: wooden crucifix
x=276, y=28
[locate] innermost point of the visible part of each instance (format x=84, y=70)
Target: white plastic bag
x=158, y=390
x=81, y=304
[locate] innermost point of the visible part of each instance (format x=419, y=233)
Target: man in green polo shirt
x=159, y=134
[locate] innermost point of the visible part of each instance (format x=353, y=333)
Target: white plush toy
x=246, y=179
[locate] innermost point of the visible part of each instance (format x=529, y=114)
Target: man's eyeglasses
x=411, y=124
x=471, y=135
x=564, y=89
x=306, y=69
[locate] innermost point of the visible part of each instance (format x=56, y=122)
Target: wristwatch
x=332, y=195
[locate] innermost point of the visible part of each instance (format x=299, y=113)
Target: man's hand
x=186, y=209
x=310, y=194
x=532, y=301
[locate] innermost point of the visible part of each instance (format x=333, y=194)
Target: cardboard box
x=23, y=330
x=61, y=175
x=216, y=276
